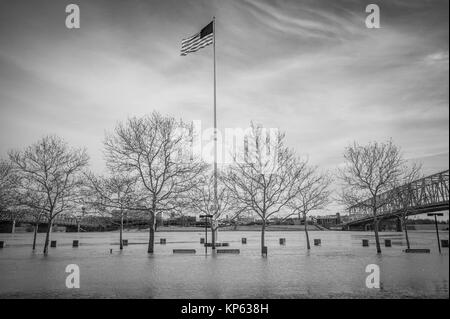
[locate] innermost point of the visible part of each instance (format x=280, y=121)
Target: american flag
x=200, y=40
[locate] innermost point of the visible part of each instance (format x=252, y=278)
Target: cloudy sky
x=310, y=68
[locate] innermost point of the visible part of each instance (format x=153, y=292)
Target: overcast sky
x=310, y=68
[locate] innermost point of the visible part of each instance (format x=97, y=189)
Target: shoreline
x=258, y=229
x=238, y=228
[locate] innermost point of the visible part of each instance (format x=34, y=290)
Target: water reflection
x=334, y=269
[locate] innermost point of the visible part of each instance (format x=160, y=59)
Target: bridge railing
x=427, y=191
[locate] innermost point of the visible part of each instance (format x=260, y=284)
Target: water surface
x=334, y=270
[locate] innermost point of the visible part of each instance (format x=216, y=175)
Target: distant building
x=184, y=221
x=246, y=219
x=329, y=220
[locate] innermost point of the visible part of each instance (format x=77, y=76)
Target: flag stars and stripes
x=198, y=41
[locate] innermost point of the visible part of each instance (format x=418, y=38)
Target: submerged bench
x=420, y=250
x=184, y=251
x=228, y=251
x=217, y=245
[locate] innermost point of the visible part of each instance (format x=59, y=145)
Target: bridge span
x=428, y=194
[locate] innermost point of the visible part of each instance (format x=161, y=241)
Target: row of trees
x=146, y=177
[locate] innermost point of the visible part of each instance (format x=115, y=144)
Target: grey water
x=336, y=269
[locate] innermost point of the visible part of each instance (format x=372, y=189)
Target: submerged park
x=334, y=269
x=249, y=228
x=303, y=155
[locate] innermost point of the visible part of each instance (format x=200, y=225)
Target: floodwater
x=336, y=269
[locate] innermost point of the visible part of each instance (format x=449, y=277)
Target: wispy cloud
x=310, y=68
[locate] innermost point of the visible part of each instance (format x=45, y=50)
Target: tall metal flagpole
x=215, y=131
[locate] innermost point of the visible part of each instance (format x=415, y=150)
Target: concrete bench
x=216, y=244
x=184, y=251
x=228, y=251
x=419, y=250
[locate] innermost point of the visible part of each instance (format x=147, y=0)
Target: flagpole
x=215, y=127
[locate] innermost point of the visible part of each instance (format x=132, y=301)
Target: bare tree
x=369, y=171
x=116, y=195
x=313, y=194
x=8, y=183
x=153, y=148
x=10, y=199
x=202, y=199
x=403, y=194
x=49, y=177
x=263, y=179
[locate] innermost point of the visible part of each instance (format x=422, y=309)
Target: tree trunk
x=35, y=235
x=78, y=226
x=306, y=232
x=121, y=231
x=151, y=238
x=47, y=237
x=406, y=233
x=263, y=229
x=13, y=228
x=377, y=238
